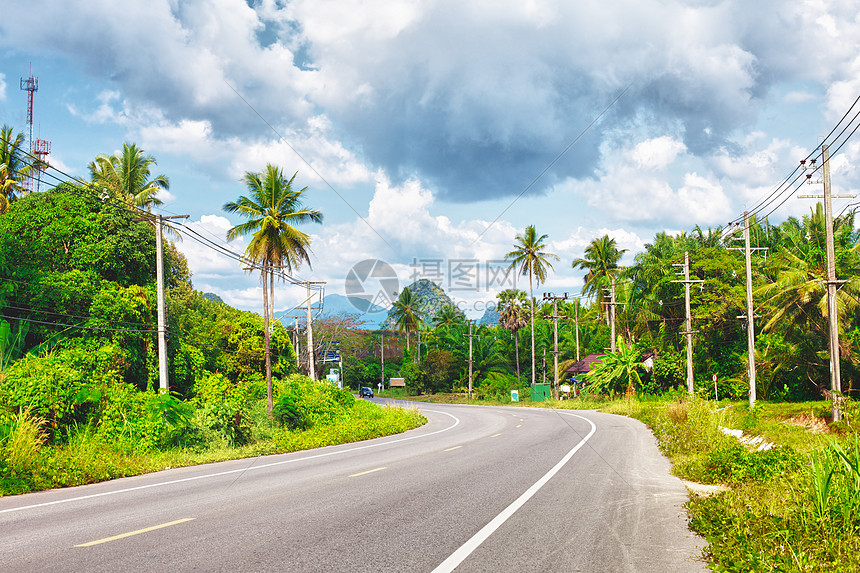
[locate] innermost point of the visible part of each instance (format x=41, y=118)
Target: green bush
x=221, y=408
x=142, y=422
x=303, y=403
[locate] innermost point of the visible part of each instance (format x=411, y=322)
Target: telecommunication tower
x=39, y=148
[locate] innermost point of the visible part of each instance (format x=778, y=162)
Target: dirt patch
x=813, y=424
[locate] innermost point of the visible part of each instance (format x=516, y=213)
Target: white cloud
x=657, y=153
x=2, y=87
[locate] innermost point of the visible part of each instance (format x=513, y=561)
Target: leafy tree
x=795, y=294
x=126, y=176
x=13, y=167
x=272, y=208
x=530, y=258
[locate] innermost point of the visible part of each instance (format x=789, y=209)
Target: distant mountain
x=490, y=318
x=212, y=296
x=430, y=300
x=335, y=305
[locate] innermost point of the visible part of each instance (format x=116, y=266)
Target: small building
x=585, y=365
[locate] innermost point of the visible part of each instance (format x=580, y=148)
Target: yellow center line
x=454, y=448
x=139, y=531
x=519, y=425
x=495, y=435
x=367, y=472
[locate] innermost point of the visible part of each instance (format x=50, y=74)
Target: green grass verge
x=86, y=460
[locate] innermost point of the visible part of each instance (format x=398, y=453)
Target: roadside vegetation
x=791, y=501
x=126, y=432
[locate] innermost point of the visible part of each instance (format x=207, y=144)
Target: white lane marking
x=368, y=472
x=454, y=560
x=138, y=532
x=248, y=469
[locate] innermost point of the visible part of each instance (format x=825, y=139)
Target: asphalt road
x=476, y=489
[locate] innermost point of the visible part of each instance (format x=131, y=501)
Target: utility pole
x=382, y=358
x=311, y=366
x=555, y=299
x=612, y=315
x=830, y=277
x=470, y=359
x=750, y=315
x=576, y=320
x=163, y=382
x=688, y=322
x=750, y=310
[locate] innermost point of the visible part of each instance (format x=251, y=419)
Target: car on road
x=365, y=392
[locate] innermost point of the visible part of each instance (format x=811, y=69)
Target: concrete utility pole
x=382, y=358
x=750, y=310
x=612, y=315
x=688, y=322
x=163, y=382
x=311, y=366
x=750, y=314
x=470, y=359
x=555, y=299
x=576, y=320
x=830, y=277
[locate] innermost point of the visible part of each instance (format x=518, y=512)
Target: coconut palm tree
x=448, y=317
x=13, y=168
x=127, y=177
x=601, y=259
x=272, y=208
x=513, y=317
x=406, y=314
x=530, y=258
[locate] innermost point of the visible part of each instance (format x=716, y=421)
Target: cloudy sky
x=431, y=132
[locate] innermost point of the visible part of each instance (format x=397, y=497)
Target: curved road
x=476, y=489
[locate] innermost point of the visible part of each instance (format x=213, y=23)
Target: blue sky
x=429, y=119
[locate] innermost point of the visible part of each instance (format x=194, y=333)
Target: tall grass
x=26, y=435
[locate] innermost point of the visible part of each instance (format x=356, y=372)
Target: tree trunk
x=266, y=341
x=532, y=303
x=517, y=351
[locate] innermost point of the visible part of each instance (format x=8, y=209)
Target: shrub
x=221, y=408
x=304, y=403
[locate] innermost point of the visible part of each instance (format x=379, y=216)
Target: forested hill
x=431, y=300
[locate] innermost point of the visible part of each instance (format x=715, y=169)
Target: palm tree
x=127, y=177
x=449, y=316
x=486, y=359
x=529, y=257
x=272, y=208
x=406, y=314
x=601, y=260
x=512, y=317
x=13, y=169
